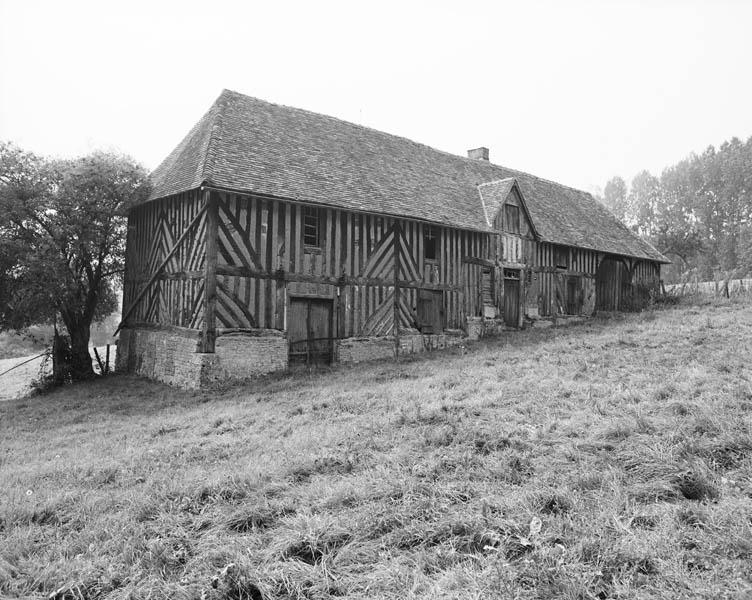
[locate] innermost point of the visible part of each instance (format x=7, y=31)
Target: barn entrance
x=309, y=330
x=612, y=285
x=512, y=297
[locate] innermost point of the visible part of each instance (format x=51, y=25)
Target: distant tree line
x=698, y=212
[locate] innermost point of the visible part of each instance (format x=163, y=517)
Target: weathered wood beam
x=280, y=275
x=208, y=336
x=157, y=272
x=396, y=236
x=422, y=285
x=561, y=272
x=248, y=331
x=183, y=331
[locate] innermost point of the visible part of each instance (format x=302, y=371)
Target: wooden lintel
x=561, y=271
x=249, y=331
x=424, y=285
x=176, y=329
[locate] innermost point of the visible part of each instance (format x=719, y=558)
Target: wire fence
x=721, y=287
x=103, y=364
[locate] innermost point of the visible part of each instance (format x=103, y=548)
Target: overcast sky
x=573, y=91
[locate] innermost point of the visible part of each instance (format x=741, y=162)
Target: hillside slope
x=612, y=459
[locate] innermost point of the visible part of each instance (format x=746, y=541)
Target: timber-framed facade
x=247, y=258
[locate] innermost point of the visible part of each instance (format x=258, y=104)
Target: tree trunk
x=81, y=367
x=61, y=359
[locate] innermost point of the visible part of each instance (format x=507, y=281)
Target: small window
x=561, y=257
x=311, y=229
x=429, y=243
x=512, y=218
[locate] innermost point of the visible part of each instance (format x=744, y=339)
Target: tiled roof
x=249, y=145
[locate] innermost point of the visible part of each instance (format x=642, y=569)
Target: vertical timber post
x=396, y=288
x=209, y=333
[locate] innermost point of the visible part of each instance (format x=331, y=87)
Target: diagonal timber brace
x=158, y=270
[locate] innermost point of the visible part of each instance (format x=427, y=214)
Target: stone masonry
x=170, y=356
x=355, y=350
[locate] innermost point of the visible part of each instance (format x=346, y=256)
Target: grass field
x=606, y=460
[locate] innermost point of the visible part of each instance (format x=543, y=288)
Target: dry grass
x=605, y=460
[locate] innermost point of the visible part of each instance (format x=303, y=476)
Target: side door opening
x=512, y=297
x=309, y=330
x=431, y=313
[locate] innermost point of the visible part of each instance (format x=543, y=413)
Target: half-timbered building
x=275, y=236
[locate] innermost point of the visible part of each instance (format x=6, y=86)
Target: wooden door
x=574, y=297
x=309, y=330
x=511, y=297
x=431, y=313
x=320, y=330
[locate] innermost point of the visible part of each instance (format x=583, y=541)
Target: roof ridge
x=400, y=137
x=373, y=129
x=210, y=156
x=551, y=181
x=256, y=146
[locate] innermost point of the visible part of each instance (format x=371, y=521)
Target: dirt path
x=17, y=382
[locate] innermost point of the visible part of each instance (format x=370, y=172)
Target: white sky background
x=573, y=91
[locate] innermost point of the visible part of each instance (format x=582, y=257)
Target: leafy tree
x=700, y=210
x=615, y=198
x=644, y=195
x=62, y=240
x=676, y=231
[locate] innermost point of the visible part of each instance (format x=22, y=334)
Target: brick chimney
x=478, y=153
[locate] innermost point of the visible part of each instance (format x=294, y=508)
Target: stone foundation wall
x=355, y=350
x=242, y=356
x=479, y=327
x=170, y=356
